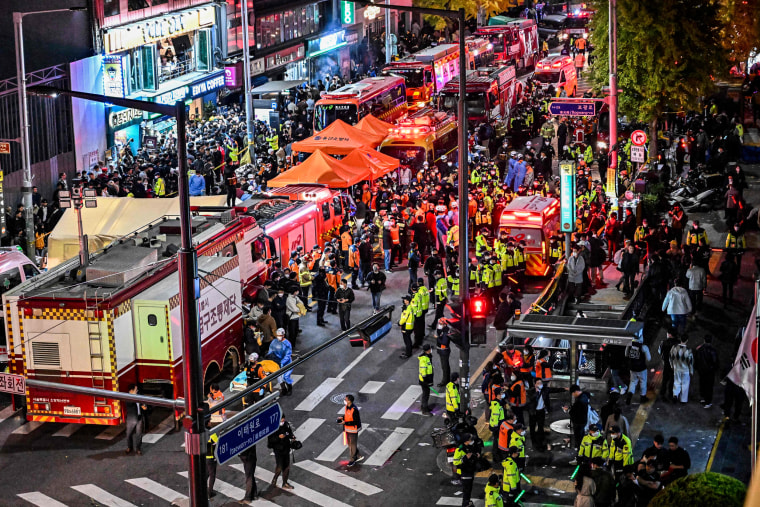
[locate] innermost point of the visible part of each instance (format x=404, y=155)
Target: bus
x=383, y=97
x=426, y=135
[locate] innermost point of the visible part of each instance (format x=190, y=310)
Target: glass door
x=203, y=51
x=149, y=67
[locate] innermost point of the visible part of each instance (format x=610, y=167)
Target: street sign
x=347, y=13
x=5, y=148
x=243, y=436
x=567, y=196
x=13, y=384
x=638, y=154
x=639, y=137
x=572, y=108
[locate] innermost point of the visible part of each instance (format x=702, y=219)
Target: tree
x=471, y=8
x=741, y=28
x=702, y=489
x=669, y=52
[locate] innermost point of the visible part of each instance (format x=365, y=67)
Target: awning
x=339, y=138
x=323, y=169
x=378, y=163
x=579, y=329
x=276, y=86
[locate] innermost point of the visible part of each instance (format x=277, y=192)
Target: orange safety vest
x=472, y=208
x=366, y=197
x=513, y=361
x=505, y=433
x=514, y=400
x=312, y=263
x=543, y=370
x=394, y=235
x=218, y=397
x=332, y=279
x=353, y=259
x=348, y=417
x=490, y=391
x=346, y=240
x=527, y=365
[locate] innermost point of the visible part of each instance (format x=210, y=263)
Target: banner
x=743, y=371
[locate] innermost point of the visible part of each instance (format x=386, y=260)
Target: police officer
x=452, y=397
x=426, y=377
x=510, y=486
x=406, y=323
x=518, y=440
x=468, y=467
x=441, y=296
x=493, y=493
x=443, y=346
x=592, y=446
x=618, y=452
x=211, y=462
x=695, y=234
x=495, y=418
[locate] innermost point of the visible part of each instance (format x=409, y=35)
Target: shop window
x=148, y=68
x=337, y=210
x=111, y=8
x=326, y=211
x=136, y=5
x=178, y=55
x=11, y=278
x=204, y=50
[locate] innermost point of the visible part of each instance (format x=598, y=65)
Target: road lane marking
x=452, y=500
x=102, y=496
x=157, y=489
x=371, y=387
x=67, y=430
x=389, y=446
x=353, y=363
x=305, y=430
x=232, y=491
x=339, y=478
x=27, y=428
x=40, y=500
x=110, y=433
x=402, y=404
x=298, y=490
x=337, y=447
x=296, y=378
x=320, y=393
x=159, y=431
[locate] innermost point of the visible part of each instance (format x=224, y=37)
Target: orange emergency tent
x=339, y=138
x=374, y=125
x=379, y=164
x=324, y=169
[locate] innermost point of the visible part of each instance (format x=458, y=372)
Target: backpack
x=591, y=418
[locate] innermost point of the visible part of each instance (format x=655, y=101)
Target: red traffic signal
x=478, y=307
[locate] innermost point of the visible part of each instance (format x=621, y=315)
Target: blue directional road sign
x=562, y=108
x=245, y=435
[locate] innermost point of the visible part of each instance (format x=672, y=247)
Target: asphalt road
x=44, y=463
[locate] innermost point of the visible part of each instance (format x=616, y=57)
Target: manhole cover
x=339, y=398
x=561, y=426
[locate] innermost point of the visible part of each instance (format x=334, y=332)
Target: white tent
x=113, y=218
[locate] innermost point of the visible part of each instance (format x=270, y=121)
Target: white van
x=15, y=268
x=558, y=71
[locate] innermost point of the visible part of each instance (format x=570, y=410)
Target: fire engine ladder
x=95, y=340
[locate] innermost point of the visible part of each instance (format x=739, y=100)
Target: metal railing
x=176, y=69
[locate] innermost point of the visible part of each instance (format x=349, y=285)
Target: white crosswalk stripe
x=402, y=403
x=337, y=447
x=320, y=393
x=68, y=430
x=232, y=491
x=371, y=387
x=298, y=490
x=452, y=500
x=159, y=431
x=102, y=496
x=157, y=489
x=37, y=498
x=333, y=475
x=389, y=446
x=110, y=433
x=309, y=426
x=27, y=428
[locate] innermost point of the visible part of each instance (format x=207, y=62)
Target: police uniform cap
x=593, y=427
x=426, y=347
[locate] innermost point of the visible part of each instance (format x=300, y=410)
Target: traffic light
x=478, y=314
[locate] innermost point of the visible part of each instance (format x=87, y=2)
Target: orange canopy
x=339, y=138
x=378, y=163
x=324, y=169
x=374, y=125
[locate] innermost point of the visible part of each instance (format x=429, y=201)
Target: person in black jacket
x=136, y=415
x=508, y=308
x=578, y=414
x=539, y=404
x=248, y=457
x=320, y=290
x=279, y=306
x=365, y=259
x=376, y=281
x=431, y=265
x=345, y=298
x=468, y=468
x=250, y=343
x=279, y=442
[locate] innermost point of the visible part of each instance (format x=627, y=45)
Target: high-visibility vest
x=349, y=417
x=453, y=284
x=459, y=455
x=615, y=452
x=591, y=447
x=518, y=396
x=452, y=236
x=692, y=238
x=407, y=319
x=513, y=360
x=519, y=258
x=640, y=234
x=159, y=188
x=529, y=361
x=505, y=434
x=735, y=241
x=416, y=305
x=424, y=298
x=555, y=251
x=499, y=247
x=212, y=440
x=543, y=370
x=452, y=396
x=493, y=496
x=475, y=177
x=511, y=475
x=481, y=244
x=394, y=235
x=426, y=367
x=497, y=414
x=304, y=276
x=487, y=276
x=508, y=261
x=497, y=278
x=441, y=289
x=517, y=440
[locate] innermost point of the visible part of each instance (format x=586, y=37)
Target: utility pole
x=612, y=168
x=249, y=125
x=388, y=41
x=464, y=276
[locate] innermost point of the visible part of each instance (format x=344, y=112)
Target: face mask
x=282, y=423
x=595, y=434
x=345, y=402
x=513, y=378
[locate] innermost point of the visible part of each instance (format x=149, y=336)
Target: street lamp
x=26, y=159
x=462, y=176
x=194, y=423
x=249, y=126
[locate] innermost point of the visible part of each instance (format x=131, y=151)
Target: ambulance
x=558, y=71
x=533, y=219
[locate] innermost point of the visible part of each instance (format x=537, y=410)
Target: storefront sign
x=352, y=37
x=208, y=85
x=285, y=57
x=327, y=43
x=122, y=117
x=114, y=68
x=169, y=98
x=233, y=75
x=567, y=196
x=347, y=13
x=257, y=67
x=138, y=34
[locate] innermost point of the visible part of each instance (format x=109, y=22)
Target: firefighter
x=547, y=131
x=453, y=400
x=510, y=485
x=254, y=372
x=406, y=323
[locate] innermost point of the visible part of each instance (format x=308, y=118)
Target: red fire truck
x=425, y=136
x=426, y=72
x=116, y=321
x=515, y=42
x=491, y=94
